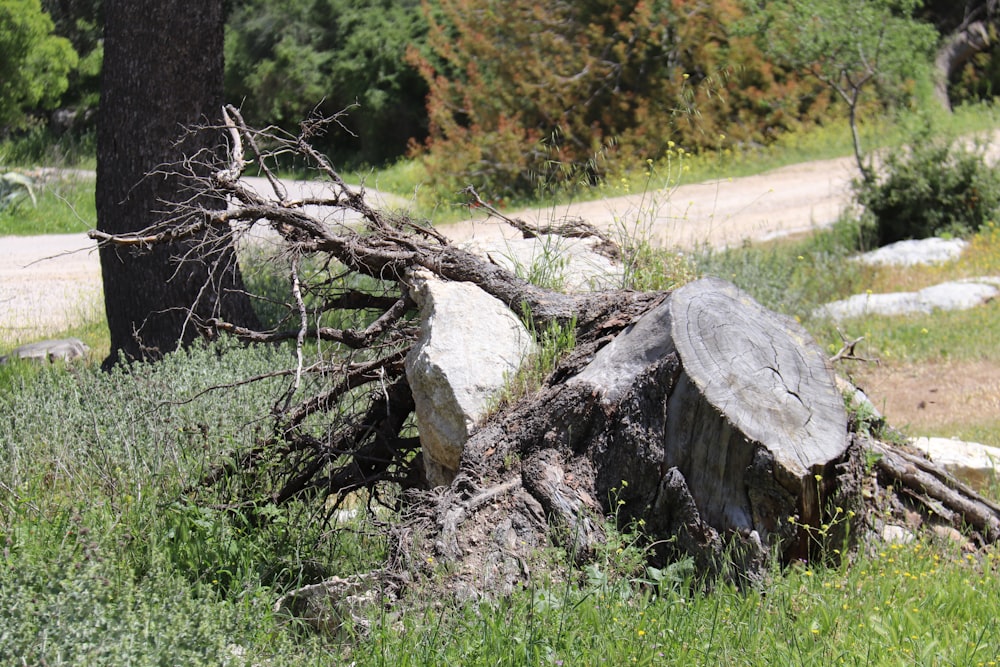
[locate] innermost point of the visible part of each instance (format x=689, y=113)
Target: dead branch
x=847, y=350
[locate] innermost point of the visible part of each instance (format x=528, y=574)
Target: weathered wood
x=930, y=485
x=752, y=379
x=708, y=418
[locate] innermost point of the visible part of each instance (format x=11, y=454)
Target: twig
x=847, y=353
x=300, y=339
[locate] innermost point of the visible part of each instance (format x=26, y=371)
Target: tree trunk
x=162, y=73
x=956, y=50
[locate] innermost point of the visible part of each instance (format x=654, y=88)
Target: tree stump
x=710, y=421
x=714, y=421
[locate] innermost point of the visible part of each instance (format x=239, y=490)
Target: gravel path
x=50, y=283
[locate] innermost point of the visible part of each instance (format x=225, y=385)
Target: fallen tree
x=711, y=422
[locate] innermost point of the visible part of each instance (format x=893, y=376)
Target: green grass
x=920, y=603
x=65, y=206
x=967, y=335
x=106, y=560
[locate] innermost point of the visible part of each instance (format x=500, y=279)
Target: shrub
x=519, y=89
x=936, y=186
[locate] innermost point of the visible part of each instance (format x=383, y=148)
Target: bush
x=935, y=187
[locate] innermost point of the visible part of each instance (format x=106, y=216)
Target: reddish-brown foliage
x=527, y=95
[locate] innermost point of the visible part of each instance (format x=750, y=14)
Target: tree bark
x=713, y=422
x=956, y=50
x=162, y=73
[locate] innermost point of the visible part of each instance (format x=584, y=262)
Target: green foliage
x=82, y=23
x=593, y=86
x=934, y=186
x=554, y=342
x=41, y=145
x=895, y=605
x=288, y=59
x=979, y=78
x=849, y=46
x=111, y=552
x=34, y=63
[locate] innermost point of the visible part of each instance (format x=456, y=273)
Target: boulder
x=970, y=462
x=63, y=349
x=565, y=264
x=914, y=252
x=470, y=345
x=955, y=295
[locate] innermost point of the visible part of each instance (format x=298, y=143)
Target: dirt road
x=50, y=283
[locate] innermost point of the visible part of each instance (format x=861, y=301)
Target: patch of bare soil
x=47, y=284
x=939, y=398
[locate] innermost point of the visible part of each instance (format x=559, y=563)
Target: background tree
x=288, y=59
x=162, y=73
x=968, y=36
x=34, y=63
x=82, y=23
x=523, y=93
x=850, y=46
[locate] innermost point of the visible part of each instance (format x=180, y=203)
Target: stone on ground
x=914, y=252
x=954, y=295
x=970, y=462
x=63, y=349
x=471, y=344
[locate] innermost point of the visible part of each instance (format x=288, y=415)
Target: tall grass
x=110, y=550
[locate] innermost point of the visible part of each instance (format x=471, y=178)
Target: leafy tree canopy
x=34, y=63
x=287, y=59
x=850, y=46
x=848, y=43
x=82, y=23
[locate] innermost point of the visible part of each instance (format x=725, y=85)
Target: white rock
x=566, y=264
x=915, y=251
x=896, y=535
x=63, y=349
x=975, y=464
x=470, y=344
x=955, y=295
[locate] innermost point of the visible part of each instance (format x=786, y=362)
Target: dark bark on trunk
x=162, y=73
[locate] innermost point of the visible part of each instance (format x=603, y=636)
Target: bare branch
x=847, y=350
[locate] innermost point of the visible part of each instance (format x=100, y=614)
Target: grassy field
x=111, y=555
x=107, y=558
